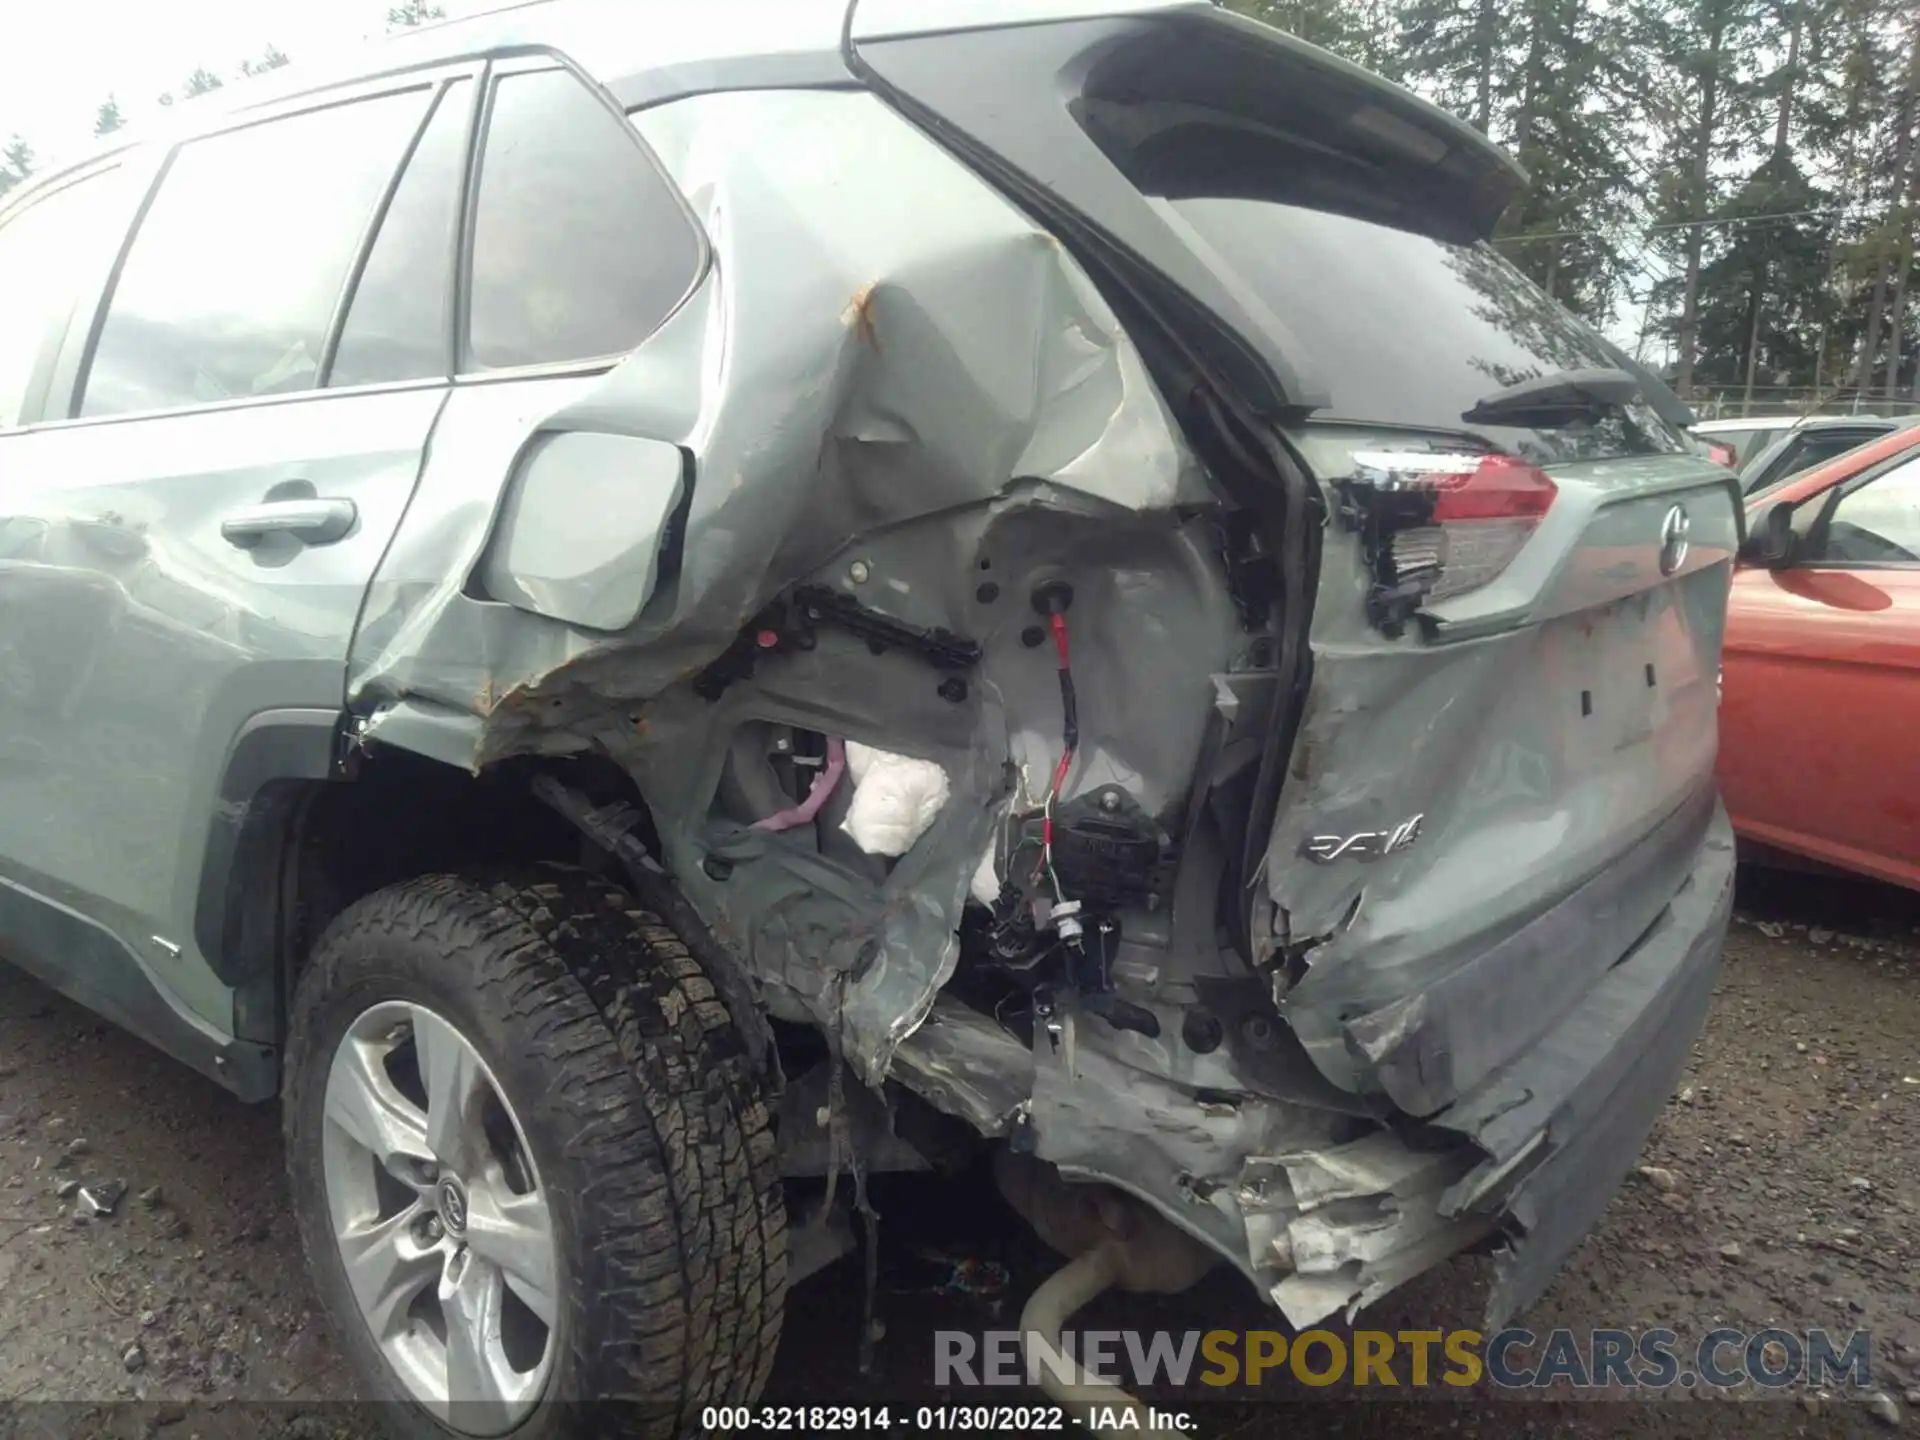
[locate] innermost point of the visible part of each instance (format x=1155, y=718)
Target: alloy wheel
x=443, y=1227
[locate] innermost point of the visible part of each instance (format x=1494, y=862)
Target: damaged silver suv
x=619, y=605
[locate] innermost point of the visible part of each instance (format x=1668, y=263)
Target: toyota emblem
x=1674, y=531
x=453, y=1206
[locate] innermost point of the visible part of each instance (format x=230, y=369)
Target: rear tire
x=647, y=1138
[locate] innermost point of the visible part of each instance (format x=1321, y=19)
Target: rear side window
x=1804, y=452
x=40, y=250
x=1819, y=446
x=580, y=246
x=400, y=325
x=236, y=271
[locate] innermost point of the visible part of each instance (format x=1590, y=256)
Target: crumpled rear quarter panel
x=885, y=362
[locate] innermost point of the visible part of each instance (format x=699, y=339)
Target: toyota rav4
x=619, y=604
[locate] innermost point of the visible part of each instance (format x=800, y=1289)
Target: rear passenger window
x=42, y=250
x=1825, y=445
x=236, y=271
x=580, y=246
x=400, y=325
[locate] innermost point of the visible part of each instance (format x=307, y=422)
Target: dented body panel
x=946, y=402
x=946, y=417
x=1345, y=919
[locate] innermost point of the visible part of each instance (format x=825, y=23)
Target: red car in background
x=1820, y=713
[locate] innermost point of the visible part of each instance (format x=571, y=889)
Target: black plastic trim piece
x=98, y=971
x=274, y=746
x=370, y=236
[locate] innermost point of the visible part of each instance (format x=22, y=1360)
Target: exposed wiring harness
x=1070, y=738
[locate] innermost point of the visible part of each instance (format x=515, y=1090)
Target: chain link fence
x=1733, y=403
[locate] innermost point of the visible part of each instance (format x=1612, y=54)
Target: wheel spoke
x=364, y=1102
x=454, y=1080
x=387, y=1267
x=475, y=1358
x=515, y=1233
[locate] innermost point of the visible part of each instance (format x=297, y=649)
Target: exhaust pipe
x=1115, y=1240
x=1046, y=1314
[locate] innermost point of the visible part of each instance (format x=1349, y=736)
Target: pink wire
x=823, y=785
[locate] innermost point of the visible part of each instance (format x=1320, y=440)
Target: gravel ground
x=1782, y=1188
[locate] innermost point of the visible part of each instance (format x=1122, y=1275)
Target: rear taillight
x=1722, y=454
x=1437, y=525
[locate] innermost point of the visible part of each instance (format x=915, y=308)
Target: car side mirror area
x=1770, y=539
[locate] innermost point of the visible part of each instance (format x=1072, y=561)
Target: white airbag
x=895, y=799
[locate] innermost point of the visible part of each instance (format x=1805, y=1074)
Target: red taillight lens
x=1499, y=487
x=1440, y=525
x=1722, y=454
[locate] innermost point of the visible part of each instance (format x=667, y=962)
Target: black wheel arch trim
x=267, y=781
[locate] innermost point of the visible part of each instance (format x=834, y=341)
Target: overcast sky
x=58, y=62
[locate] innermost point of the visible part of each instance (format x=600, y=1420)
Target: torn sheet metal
x=968, y=1066
x=1327, y=1224
x=1105, y=1107
x=1551, y=1137
x=1334, y=1228
x=925, y=406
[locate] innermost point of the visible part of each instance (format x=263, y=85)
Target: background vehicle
x=495, y=508
x=1822, y=668
x=1814, y=442
x=1747, y=436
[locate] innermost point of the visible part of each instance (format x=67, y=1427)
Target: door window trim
x=435, y=79
x=350, y=286
x=1777, y=472
x=38, y=395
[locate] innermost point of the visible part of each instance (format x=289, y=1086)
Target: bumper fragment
x=1594, y=1086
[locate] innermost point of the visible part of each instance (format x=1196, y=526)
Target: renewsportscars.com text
x=1510, y=1359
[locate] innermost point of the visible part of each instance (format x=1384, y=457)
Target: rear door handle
x=311, y=522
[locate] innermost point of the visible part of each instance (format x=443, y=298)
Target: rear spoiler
x=1239, y=78
x=1088, y=120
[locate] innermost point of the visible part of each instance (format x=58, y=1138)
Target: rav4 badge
x=1364, y=844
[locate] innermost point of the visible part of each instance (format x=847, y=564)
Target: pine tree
x=272, y=58
x=1901, y=219
x=1849, y=128
x=1553, y=116
x=200, y=82
x=414, y=12
x=16, y=163
x=1702, y=94
x=1458, y=48
x=108, y=118
x=1362, y=31
x=1763, y=300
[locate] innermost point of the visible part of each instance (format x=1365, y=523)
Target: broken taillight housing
x=1440, y=524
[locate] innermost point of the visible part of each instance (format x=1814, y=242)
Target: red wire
x=1058, y=624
